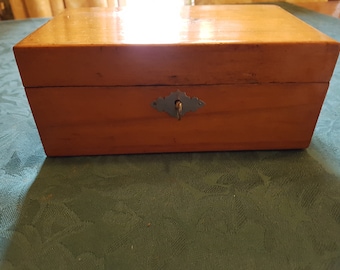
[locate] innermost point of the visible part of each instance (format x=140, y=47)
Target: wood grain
x=113, y=120
x=205, y=45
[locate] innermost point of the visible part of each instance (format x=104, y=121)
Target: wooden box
x=194, y=78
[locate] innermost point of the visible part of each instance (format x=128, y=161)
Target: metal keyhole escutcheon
x=177, y=104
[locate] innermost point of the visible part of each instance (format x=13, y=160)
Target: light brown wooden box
x=92, y=75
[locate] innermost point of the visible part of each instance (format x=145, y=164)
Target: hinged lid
x=191, y=45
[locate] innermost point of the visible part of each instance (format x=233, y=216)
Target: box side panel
x=176, y=64
x=105, y=120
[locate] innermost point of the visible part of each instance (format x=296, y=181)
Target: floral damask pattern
x=231, y=210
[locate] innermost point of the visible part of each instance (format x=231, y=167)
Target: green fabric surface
x=224, y=210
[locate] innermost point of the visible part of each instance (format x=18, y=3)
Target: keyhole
x=179, y=108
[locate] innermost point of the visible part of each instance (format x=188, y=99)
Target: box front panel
x=114, y=120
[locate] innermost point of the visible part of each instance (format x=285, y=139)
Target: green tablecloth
x=228, y=210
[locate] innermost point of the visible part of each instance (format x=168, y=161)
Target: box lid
x=190, y=45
